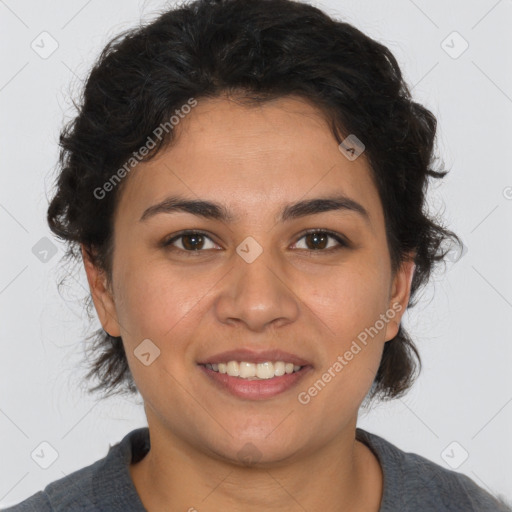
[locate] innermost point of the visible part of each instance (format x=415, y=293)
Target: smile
x=246, y=370
x=242, y=379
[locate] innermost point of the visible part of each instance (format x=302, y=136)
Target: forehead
x=251, y=158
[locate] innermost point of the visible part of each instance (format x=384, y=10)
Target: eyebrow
x=217, y=211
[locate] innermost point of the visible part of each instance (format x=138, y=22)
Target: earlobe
x=400, y=294
x=101, y=295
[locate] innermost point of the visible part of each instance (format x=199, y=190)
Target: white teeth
x=252, y=371
x=233, y=369
x=264, y=370
x=247, y=370
x=279, y=369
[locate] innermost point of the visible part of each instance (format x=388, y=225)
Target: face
x=310, y=283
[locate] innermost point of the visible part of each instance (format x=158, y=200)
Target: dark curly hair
x=256, y=51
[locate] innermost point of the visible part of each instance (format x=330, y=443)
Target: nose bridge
x=256, y=292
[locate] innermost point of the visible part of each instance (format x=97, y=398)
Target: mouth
x=254, y=371
x=254, y=381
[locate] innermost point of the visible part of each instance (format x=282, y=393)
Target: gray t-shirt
x=411, y=483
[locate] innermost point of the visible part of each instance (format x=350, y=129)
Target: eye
x=317, y=239
x=191, y=241
x=196, y=241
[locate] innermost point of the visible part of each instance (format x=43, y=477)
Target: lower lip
x=256, y=389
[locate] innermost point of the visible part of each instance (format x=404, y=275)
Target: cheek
x=350, y=307
x=151, y=300
x=348, y=301
x=158, y=305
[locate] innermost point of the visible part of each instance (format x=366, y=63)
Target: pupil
x=194, y=238
x=316, y=237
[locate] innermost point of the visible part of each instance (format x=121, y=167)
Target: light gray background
x=462, y=325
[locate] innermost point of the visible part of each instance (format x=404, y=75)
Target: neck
x=343, y=475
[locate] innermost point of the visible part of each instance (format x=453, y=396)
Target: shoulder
x=72, y=492
x=444, y=489
x=412, y=482
x=104, y=485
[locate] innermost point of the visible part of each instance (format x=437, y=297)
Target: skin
x=305, y=301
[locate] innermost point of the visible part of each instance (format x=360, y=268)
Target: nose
x=257, y=295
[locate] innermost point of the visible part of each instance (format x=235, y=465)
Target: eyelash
x=343, y=244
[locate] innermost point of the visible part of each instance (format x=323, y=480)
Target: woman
x=245, y=182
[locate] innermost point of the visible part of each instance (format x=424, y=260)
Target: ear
x=399, y=296
x=102, y=296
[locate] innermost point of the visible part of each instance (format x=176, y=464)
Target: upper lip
x=253, y=356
